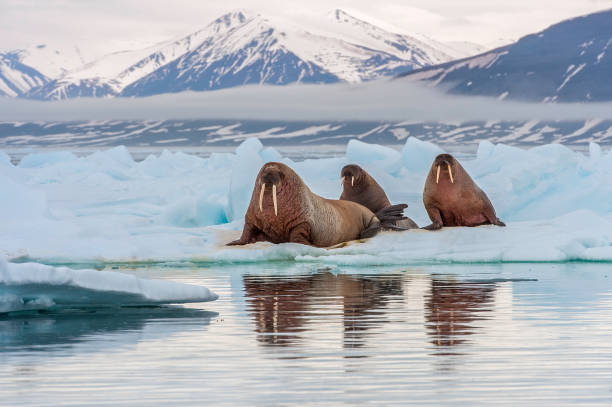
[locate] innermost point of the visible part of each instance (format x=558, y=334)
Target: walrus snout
x=444, y=159
x=352, y=172
x=444, y=162
x=271, y=176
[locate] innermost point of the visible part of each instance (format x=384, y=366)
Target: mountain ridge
x=341, y=49
x=566, y=62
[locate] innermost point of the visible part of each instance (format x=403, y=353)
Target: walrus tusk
x=274, y=200
x=438, y=175
x=450, y=172
x=341, y=180
x=352, y=181
x=261, y=194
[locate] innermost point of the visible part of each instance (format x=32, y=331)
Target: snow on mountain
x=569, y=61
x=464, y=49
x=368, y=41
x=51, y=60
x=108, y=75
x=259, y=50
x=238, y=49
x=16, y=78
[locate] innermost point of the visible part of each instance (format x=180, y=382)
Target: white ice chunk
x=39, y=160
x=5, y=160
x=364, y=153
x=33, y=285
x=20, y=202
x=106, y=207
x=581, y=235
x=196, y=211
x=418, y=155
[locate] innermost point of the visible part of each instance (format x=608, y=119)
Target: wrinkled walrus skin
x=283, y=209
x=359, y=186
x=452, y=198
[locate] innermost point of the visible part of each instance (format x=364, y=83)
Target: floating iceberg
x=106, y=207
x=37, y=286
x=94, y=330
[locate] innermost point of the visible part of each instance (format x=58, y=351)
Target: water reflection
x=278, y=306
x=453, y=306
x=64, y=328
x=363, y=304
x=283, y=307
x=512, y=331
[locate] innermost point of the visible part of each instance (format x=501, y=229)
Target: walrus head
x=274, y=177
x=352, y=175
x=445, y=166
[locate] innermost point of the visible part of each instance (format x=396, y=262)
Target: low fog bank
x=380, y=100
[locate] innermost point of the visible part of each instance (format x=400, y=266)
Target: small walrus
x=359, y=186
x=452, y=198
x=283, y=209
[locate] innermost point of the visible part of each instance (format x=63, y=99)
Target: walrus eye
x=438, y=175
x=261, y=195
x=450, y=172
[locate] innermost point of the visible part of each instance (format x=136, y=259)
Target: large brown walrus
x=359, y=186
x=283, y=209
x=452, y=198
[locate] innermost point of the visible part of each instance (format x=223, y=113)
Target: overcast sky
x=106, y=25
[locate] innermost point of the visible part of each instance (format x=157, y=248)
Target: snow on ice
x=106, y=207
x=36, y=286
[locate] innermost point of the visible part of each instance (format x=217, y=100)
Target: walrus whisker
x=274, y=200
x=438, y=175
x=261, y=194
x=352, y=181
x=450, y=172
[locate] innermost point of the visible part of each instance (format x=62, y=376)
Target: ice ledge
x=37, y=286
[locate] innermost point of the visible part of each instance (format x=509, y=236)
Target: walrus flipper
x=489, y=213
x=498, y=222
x=370, y=231
x=435, y=216
x=397, y=228
x=250, y=234
x=385, y=219
x=300, y=234
x=391, y=214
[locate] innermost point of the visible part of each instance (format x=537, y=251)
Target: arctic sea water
x=466, y=315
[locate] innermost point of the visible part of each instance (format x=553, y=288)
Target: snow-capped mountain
x=239, y=48
x=569, y=61
x=52, y=60
x=17, y=78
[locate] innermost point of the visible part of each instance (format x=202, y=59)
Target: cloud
x=382, y=100
x=100, y=26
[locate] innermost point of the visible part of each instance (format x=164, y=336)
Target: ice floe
x=106, y=207
x=36, y=286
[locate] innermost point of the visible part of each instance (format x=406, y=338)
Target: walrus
x=283, y=209
x=359, y=186
x=452, y=198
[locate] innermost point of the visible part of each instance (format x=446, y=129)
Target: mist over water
x=395, y=100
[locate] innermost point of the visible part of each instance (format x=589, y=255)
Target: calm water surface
x=293, y=335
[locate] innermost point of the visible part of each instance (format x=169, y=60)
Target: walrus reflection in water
x=282, y=307
x=452, y=198
x=359, y=186
x=453, y=307
x=283, y=209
